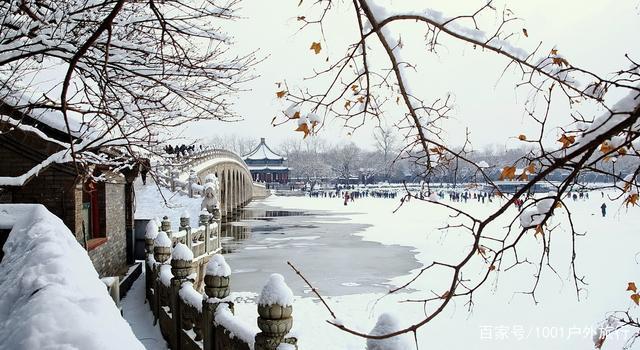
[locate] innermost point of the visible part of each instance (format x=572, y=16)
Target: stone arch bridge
x=236, y=186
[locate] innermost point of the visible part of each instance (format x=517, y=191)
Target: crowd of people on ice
x=349, y=193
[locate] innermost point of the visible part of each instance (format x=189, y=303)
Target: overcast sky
x=591, y=34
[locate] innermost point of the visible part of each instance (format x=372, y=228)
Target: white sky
x=591, y=34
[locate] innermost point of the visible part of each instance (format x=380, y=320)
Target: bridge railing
x=185, y=163
x=192, y=320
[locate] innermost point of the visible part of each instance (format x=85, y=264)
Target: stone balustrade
x=191, y=320
x=234, y=184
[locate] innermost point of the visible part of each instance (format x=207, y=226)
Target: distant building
x=266, y=165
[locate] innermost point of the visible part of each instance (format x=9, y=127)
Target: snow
x=235, y=326
x=217, y=266
x=185, y=214
x=530, y=218
x=483, y=164
x=262, y=151
x=276, y=292
x=150, y=203
x=51, y=294
x=58, y=157
x=211, y=178
x=533, y=216
x=190, y=296
x=285, y=346
x=162, y=240
x=165, y=275
x=139, y=316
x=617, y=114
x=503, y=317
x=182, y=252
x=151, y=230
x=386, y=324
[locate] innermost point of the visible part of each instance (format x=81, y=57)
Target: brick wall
x=55, y=187
x=110, y=258
x=58, y=188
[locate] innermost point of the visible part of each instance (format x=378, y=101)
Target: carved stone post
x=274, y=310
x=174, y=177
x=165, y=226
x=161, y=254
x=181, y=269
x=150, y=235
x=151, y=232
x=216, y=279
x=205, y=219
x=192, y=179
x=185, y=226
x=162, y=247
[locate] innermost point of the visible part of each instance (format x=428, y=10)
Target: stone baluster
x=174, y=177
x=150, y=235
x=185, y=226
x=274, y=310
x=192, y=179
x=216, y=280
x=161, y=254
x=165, y=226
x=205, y=220
x=151, y=232
x=181, y=269
x=162, y=248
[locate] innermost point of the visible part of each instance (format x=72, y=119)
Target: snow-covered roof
x=263, y=152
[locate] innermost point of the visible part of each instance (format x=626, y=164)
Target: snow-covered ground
x=140, y=317
x=502, y=317
x=153, y=201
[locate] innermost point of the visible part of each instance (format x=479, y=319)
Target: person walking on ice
x=603, y=207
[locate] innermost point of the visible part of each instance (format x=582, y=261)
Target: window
x=93, y=214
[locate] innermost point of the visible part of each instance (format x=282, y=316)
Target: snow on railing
x=194, y=320
x=47, y=280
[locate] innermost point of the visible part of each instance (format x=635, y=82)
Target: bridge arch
x=236, y=183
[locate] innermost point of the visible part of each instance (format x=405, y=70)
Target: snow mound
x=182, y=252
x=387, y=324
x=218, y=266
x=191, y=296
x=235, y=326
x=51, y=295
x=162, y=240
x=151, y=231
x=276, y=291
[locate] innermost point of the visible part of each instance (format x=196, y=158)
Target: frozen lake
x=353, y=254
x=320, y=243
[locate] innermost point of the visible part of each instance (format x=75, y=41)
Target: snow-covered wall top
x=51, y=294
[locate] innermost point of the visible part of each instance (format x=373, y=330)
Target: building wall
x=55, y=187
x=110, y=257
x=59, y=189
